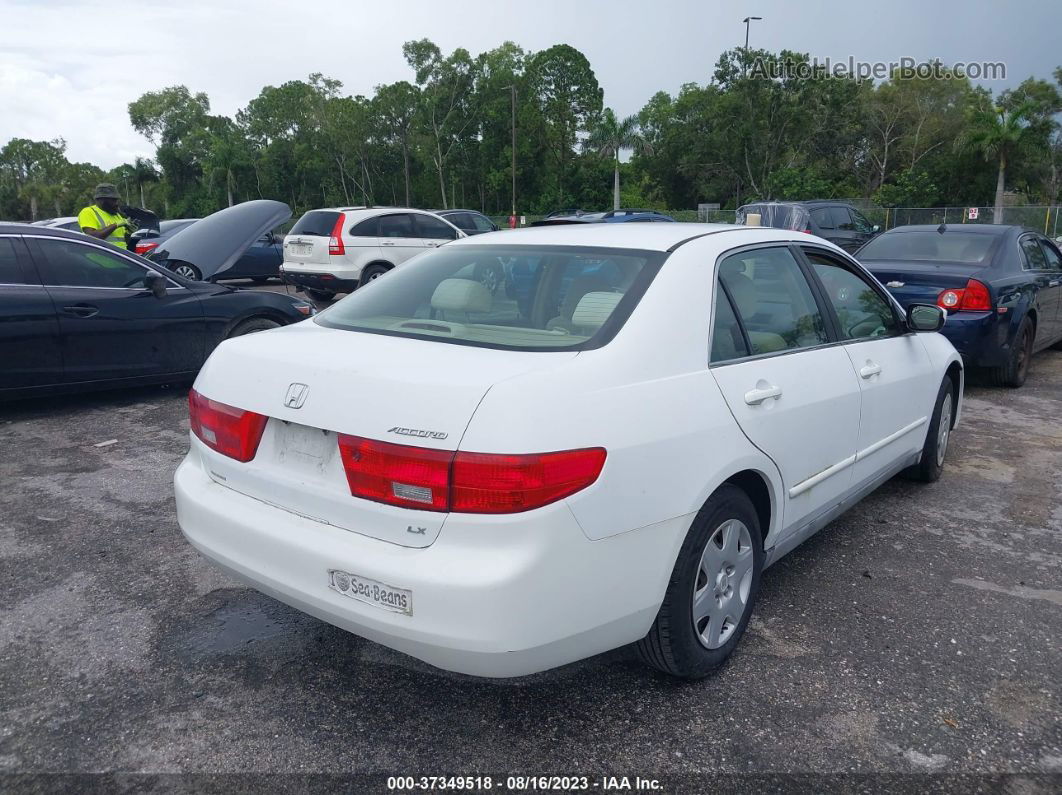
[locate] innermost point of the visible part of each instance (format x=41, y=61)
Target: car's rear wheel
x=320, y=295
x=188, y=271
x=252, y=325
x=712, y=590
x=1016, y=369
x=934, y=450
x=373, y=272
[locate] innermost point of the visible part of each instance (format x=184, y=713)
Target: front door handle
x=82, y=310
x=387, y=243
x=870, y=370
x=755, y=397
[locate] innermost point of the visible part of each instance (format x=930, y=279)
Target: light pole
x=512, y=88
x=748, y=21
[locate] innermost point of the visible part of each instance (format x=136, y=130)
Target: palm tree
x=611, y=136
x=996, y=133
x=144, y=171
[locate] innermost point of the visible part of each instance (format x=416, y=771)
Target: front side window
x=841, y=218
x=861, y=311
x=1051, y=255
x=481, y=223
x=71, y=264
x=773, y=300
x=396, y=226
x=823, y=218
x=861, y=223
x=432, y=228
x=370, y=227
x=555, y=298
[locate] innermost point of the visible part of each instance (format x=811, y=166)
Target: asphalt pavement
x=921, y=633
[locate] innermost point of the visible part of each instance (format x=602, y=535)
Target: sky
x=69, y=69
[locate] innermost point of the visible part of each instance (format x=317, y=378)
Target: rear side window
x=1034, y=255
x=319, y=223
x=533, y=298
x=727, y=340
x=823, y=218
x=1054, y=262
x=841, y=218
x=773, y=300
x=400, y=225
x=10, y=272
x=370, y=227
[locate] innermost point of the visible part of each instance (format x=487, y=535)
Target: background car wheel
x=928, y=469
x=253, y=325
x=320, y=295
x=712, y=590
x=1016, y=370
x=490, y=276
x=373, y=272
x=188, y=271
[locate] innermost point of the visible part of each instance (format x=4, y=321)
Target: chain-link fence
x=1041, y=217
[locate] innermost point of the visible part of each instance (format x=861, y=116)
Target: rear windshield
x=531, y=298
x=931, y=246
x=778, y=216
x=316, y=222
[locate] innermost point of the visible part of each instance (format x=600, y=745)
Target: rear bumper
x=981, y=338
x=302, y=280
x=492, y=596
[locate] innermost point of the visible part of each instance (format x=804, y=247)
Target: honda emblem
x=296, y=396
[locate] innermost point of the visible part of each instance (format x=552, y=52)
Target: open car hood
x=213, y=244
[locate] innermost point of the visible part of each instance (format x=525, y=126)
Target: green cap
x=106, y=191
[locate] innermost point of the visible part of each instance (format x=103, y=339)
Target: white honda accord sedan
x=610, y=449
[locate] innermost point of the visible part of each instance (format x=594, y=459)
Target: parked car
x=196, y=256
x=468, y=221
x=840, y=223
x=570, y=211
x=81, y=314
x=1001, y=286
x=146, y=240
x=65, y=222
x=610, y=217
x=499, y=493
x=333, y=251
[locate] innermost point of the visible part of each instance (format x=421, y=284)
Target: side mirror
x=925, y=317
x=156, y=283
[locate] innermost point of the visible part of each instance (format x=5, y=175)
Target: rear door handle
x=870, y=370
x=387, y=243
x=82, y=310
x=755, y=397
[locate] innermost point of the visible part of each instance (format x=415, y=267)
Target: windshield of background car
x=319, y=223
x=931, y=246
x=777, y=216
x=533, y=298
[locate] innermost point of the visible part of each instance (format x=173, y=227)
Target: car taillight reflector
x=440, y=480
x=484, y=483
x=973, y=297
x=226, y=429
x=144, y=248
x=335, y=242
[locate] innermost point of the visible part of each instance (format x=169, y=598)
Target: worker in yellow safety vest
x=103, y=220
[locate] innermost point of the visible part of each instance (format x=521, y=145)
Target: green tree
x=610, y=136
x=996, y=133
x=396, y=106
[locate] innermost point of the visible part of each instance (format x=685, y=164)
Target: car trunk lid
x=919, y=282
x=314, y=383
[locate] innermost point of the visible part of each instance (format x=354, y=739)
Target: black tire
x=252, y=325
x=490, y=276
x=324, y=296
x=188, y=271
x=373, y=272
x=1057, y=346
x=1016, y=370
x=260, y=279
x=929, y=467
x=673, y=643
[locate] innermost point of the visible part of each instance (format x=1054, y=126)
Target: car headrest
x=461, y=295
x=743, y=291
x=594, y=309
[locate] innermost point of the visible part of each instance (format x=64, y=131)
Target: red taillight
x=437, y=480
x=484, y=483
x=227, y=429
x=398, y=474
x=335, y=242
x=144, y=248
x=973, y=297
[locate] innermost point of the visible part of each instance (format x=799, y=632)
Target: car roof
x=646, y=237
x=16, y=228
x=453, y=210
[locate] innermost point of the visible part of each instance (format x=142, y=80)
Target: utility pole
x=512, y=89
x=748, y=21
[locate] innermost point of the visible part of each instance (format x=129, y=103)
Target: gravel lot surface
x=920, y=633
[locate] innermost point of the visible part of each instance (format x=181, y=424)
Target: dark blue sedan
x=1001, y=286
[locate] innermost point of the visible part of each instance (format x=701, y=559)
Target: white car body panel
x=503, y=595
